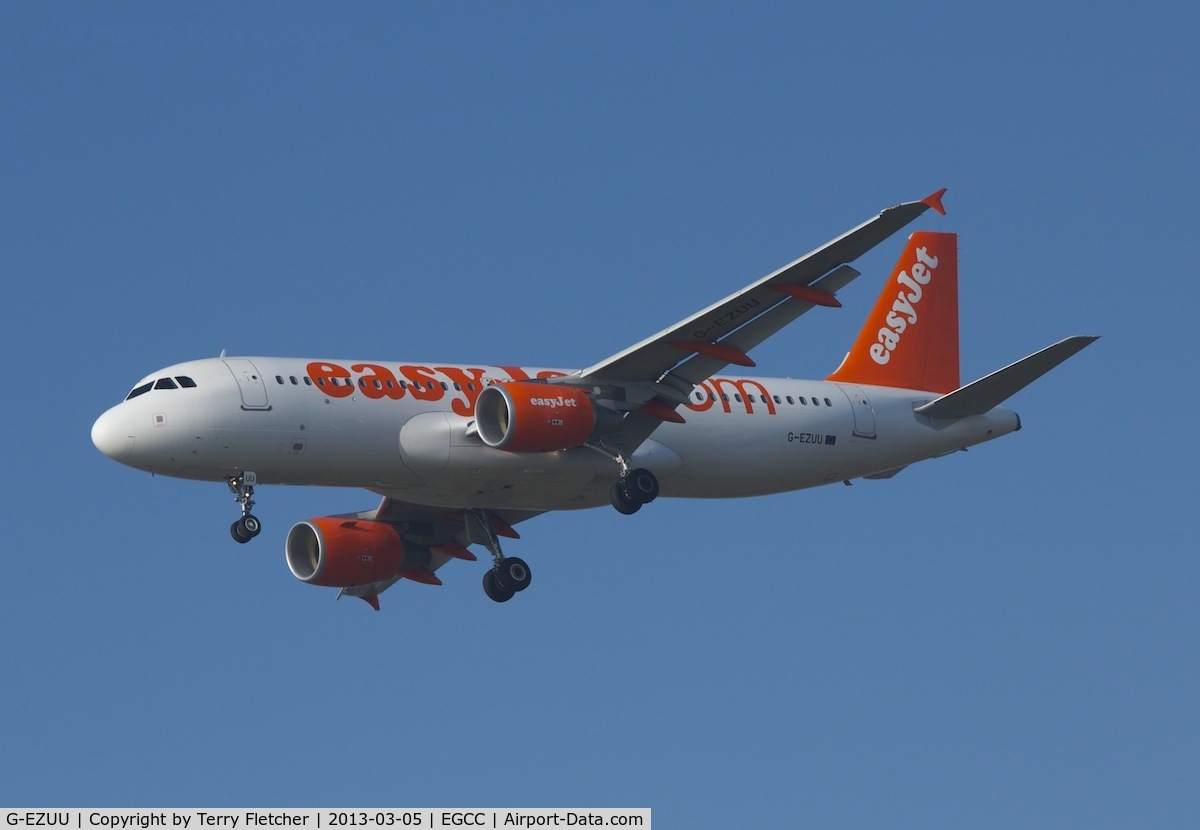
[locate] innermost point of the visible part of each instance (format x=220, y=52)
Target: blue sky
x=1003, y=637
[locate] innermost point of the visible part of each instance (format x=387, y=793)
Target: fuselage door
x=250, y=383
x=864, y=413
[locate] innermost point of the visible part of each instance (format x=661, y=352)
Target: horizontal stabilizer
x=986, y=393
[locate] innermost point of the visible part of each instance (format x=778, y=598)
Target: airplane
x=462, y=453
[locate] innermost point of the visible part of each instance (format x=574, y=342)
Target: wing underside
x=442, y=531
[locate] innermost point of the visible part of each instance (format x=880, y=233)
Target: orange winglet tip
x=504, y=529
x=455, y=551
x=934, y=200
x=809, y=295
x=658, y=409
x=420, y=575
x=371, y=600
x=717, y=351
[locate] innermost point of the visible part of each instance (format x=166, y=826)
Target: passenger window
x=279, y=379
x=165, y=383
x=186, y=382
x=789, y=400
x=457, y=387
x=737, y=397
x=292, y=378
x=803, y=401
x=777, y=399
x=816, y=401
x=140, y=390
x=828, y=402
x=307, y=380
x=444, y=387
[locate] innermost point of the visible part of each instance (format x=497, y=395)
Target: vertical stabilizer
x=910, y=340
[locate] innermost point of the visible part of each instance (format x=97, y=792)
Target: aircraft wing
x=441, y=530
x=655, y=376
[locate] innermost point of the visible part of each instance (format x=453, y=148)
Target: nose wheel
x=245, y=528
x=242, y=487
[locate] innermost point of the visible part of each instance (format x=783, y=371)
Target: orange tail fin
x=910, y=340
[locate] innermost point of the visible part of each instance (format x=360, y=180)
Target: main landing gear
x=242, y=486
x=632, y=490
x=509, y=575
x=635, y=487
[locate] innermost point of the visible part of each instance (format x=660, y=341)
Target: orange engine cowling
x=343, y=552
x=539, y=417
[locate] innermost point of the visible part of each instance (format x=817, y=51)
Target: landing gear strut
x=509, y=575
x=242, y=487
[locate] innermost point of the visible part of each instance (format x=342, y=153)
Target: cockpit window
x=165, y=383
x=186, y=382
x=140, y=390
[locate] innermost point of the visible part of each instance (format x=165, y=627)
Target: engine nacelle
x=344, y=552
x=539, y=417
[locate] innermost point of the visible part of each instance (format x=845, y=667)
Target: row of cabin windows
x=801, y=400
x=378, y=384
x=431, y=385
x=179, y=382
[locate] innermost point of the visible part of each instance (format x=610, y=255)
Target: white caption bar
x=425, y=818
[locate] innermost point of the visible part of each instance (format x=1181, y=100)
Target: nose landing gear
x=242, y=487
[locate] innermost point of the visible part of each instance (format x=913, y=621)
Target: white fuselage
x=405, y=430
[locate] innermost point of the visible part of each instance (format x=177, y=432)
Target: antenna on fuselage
x=222, y=353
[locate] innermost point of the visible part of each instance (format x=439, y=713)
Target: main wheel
x=621, y=500
x=513, y=574
x=493, y=590
x=641, y=486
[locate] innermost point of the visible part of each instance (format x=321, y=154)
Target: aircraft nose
x=113, y=433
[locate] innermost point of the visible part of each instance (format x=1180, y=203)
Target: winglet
x=934, y=200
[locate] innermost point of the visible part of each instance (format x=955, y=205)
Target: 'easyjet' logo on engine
x=555, y=402
x=904, y=311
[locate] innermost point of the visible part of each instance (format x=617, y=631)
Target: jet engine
x=344, y=552
x=539, y=417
